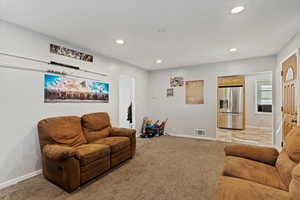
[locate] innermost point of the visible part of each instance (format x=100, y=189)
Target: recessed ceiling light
x=237, y=9
x=233, y=49
x=158, y=61
x=119, y=41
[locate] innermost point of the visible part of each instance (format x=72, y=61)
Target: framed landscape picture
x=63, y=89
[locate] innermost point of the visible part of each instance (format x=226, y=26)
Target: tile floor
x=255, y=136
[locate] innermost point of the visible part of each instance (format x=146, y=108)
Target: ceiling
x=180, y=32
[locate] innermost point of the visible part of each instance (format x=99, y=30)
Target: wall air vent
x=200, y=132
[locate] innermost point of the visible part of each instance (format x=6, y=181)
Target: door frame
x=274, y=103
x=132, y=98
x=279, y=129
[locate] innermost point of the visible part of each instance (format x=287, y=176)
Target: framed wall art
x=63, y=51
x=194, y=92
x=176, y=81
x=170, y=92
x=63, y=89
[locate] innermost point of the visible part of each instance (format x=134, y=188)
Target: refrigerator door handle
x=230, y=100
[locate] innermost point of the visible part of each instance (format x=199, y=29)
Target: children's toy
x=145, y=119
x=150, y=129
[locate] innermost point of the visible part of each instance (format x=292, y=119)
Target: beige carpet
x=164, y=168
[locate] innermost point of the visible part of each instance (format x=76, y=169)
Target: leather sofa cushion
x=292, y=144
x=95, y=121
x=97, y=134
x=96, y=126
x=116, y=143
x=230, y=188
x=285, y=167
x=253, y=171
x=91, y=152
x=61, y=130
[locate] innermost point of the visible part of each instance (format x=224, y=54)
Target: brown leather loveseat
x=75, y=150
x=261, y=173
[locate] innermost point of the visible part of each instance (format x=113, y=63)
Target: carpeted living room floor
x=164, y=168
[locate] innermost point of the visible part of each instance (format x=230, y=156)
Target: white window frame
x=256, y=111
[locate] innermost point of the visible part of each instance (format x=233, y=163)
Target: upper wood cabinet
x=231, y=81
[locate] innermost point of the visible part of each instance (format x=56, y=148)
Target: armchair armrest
x=125, y=132
x=294, y=187
x=58, y=152
x=265, y=155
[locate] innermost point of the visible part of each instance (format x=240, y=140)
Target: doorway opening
x=245, y=106
x=126, y=102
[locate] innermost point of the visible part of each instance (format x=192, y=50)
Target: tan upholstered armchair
x=75, y=150
x=261, y=173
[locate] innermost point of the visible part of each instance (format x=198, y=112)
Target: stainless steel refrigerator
x=231, y=107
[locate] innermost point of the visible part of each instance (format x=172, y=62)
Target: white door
x=126, y=99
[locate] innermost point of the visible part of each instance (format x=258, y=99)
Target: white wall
x=291, y=47
x=21, y=97
x=183, y=119
x=254, y=119
x=22, y=101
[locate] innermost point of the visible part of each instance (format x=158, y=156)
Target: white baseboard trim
x=192, y=136
x=19, y=179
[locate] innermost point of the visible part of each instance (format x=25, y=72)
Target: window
x=264, y=96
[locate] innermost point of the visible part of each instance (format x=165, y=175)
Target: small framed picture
x=176, y=81
x=170, y=92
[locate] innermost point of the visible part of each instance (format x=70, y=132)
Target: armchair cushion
x=295, y=184
x=285, y=167
x=253, y=171
x=292, y=144
x=230, y=188
x=261, y=154
x=58, y=152
x=90, y=152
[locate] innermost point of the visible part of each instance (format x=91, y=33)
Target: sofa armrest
x=265, y=155
x=125, y=132
x=294, y=187
x=58, y=152
x=122, y=132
